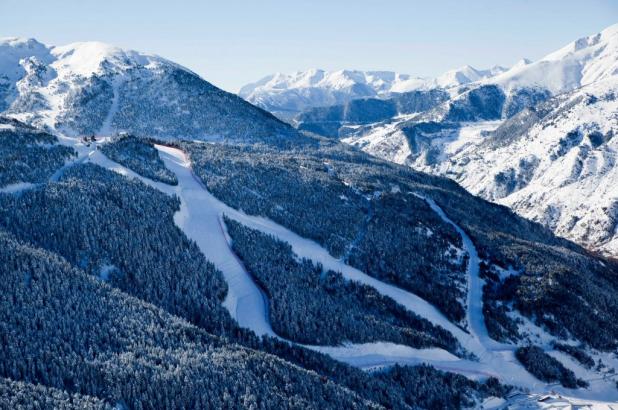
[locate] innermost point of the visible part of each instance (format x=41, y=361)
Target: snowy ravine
x=200, y=218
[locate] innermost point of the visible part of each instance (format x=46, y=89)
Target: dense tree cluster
x=555, y=277
x=500, y=325
x=546, y=368
x=86, y=106
x=429, y=388
x=123, y=232
x=20, y=395
x=313, y=306
x=169, y=102
x=337, y=198
x=27, y=154
x=332, y=194
x=65, y=329
x=140, y=156
x=96, y=218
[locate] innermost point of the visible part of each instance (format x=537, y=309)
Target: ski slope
x=200, y=217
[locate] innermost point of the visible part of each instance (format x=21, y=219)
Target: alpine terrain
x=286, y=95
x=166, y=244
x=537, y=138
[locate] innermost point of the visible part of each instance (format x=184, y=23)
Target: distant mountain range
x=286, y=95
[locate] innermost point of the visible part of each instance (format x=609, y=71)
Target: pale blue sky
x=232, y=42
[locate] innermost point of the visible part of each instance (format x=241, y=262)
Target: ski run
x=201, y=219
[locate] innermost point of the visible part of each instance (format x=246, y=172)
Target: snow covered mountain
x=555, y=164
x=246, y=275
x=537, y=138
x=95, y=88
x=582, y=62
x=288, y=94
x=465, y=75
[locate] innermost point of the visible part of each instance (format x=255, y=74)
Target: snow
x=86, y=58
x=16, y=187
x=45, y=77
x=317, y=88
x=387, y=142
x=465, y=75
x=200, y=218
x=106, y=127
x=551, y=401
x=582, y=62
x=13, y=50
x=574, y=193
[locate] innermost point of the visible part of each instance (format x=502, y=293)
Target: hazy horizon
x=234, y=43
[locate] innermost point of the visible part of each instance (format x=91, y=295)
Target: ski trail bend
x=199, y=218
x=498, y=356
x=474, y=311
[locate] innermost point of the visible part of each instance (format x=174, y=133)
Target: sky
x=231, y=43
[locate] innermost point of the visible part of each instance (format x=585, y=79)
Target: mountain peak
x=581, y=62
x=96, y=88
x=27, y=42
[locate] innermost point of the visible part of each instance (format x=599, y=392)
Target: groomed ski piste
x=201, y=219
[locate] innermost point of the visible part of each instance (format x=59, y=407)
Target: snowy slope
x=289, y=94
x=465, y=75
x=95, y=88
x=582, y=62
x=554, y=163
x=199, y=217
x=560, y=171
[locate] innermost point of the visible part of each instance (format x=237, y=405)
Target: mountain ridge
x=570, y=91
x=91, y=88
x=289, y=94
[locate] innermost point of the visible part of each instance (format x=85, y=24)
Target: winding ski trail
x=200, y=218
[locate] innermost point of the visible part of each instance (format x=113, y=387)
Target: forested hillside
x=140, y=156
x=312, y=306
x=112, y=304
x=165, y=244
x=362, y=209
x=28, y=155
x=67, y=330
x=338, y=199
